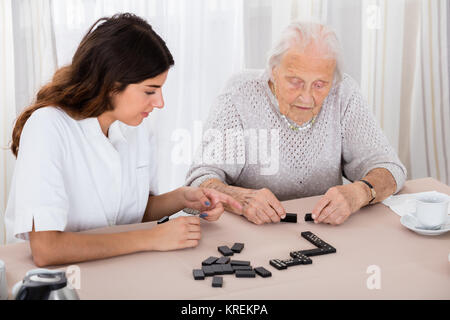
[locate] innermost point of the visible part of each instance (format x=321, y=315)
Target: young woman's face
x=138, y=100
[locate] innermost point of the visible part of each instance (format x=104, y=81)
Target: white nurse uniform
x=70, y=177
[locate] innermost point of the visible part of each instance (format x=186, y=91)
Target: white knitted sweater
x=240, y=149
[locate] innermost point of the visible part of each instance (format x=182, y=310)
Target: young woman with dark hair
x=85, y=158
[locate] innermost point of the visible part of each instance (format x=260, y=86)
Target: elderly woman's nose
x=306, y=96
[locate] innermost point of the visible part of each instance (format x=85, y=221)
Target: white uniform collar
x=91, y=128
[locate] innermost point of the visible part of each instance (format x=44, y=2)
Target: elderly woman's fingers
x=273, y=214
x=332, y=217
x=281, y=212
x=317, y=211
x=250, y=213
x=264, y=215
x=276, y=206
x=327, y=212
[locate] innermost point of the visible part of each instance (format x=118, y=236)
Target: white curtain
x=7, y=106
x=406, y=80
x=397, y=51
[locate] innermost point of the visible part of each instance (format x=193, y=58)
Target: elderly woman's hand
x=261, y=206
x=339, y=203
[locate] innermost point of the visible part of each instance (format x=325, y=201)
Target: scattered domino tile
x=312, y=252
x=245, y=273
x=308, y=217
x=223, y=260
x=278, y=264
x=330, y=249
x=198, y=274
x=239, y=263
x=163, y=220
x=247, y=268
x=290, y=217
x=208, y=271
x=217, y=268
x=237, y=247
x=303, y=258
x=209, y=261
x=292, y=262
x=217, y=282
x=225, y=250
x=315, y=240
x=263, y=272
x=227, y=269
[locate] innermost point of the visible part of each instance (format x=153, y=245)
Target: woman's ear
x=274, y=74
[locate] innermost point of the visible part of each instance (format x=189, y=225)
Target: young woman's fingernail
x=313, y=216
x=203, y=215
x=207, y=203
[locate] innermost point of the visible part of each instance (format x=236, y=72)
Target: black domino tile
x=263, y=272
x=239, y=263
x=327, y=248
x=247, y=268
x=278, y=264
x=308, y=217
x=225, y=251
x=208, y=271
x=290, y=217
x=304, y=259
x=237, y=247
x=217, y=282
x=209, y=261
x=292, y=262
x=217, y=268
x=163, y=220
x=245, y=273
x=313, y=252
x=222, y=260
x=227, y=269
x=198, y=274
x=315, y=240
x=330, y=249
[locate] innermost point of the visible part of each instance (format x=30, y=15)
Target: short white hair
x=301, y=34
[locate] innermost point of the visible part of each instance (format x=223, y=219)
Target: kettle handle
x=33, y=293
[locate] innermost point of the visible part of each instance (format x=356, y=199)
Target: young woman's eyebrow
x=153, y=86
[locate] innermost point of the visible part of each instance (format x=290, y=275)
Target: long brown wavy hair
x=116, y=52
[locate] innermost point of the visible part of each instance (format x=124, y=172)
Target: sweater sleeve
x=221, y=154
x=364, y=145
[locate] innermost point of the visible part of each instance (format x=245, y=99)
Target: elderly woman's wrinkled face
x=302, y=82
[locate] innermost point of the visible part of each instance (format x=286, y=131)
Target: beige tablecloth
x=410, y=266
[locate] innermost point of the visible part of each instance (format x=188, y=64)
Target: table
x=410, y=266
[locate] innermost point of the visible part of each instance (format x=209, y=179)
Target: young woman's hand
x=208, y=201
x=179, y=233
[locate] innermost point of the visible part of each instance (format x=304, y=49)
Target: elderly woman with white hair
x=323, y=131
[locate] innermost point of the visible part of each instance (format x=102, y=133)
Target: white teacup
x=431, y=210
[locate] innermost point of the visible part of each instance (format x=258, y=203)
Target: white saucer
x=410, y=221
